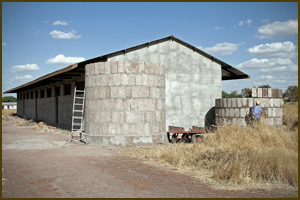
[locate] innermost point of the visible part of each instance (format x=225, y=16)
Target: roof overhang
x=228, y=71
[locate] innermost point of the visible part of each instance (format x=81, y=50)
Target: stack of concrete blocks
x=235, y=111
x=125, y=103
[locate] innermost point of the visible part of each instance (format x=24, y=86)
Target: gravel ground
x=36, y=164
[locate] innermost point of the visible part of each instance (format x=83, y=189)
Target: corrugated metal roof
x=228, y=72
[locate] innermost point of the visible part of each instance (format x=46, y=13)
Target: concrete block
x=121, y=92
x=97, y=68
x=147, y=67
x=115, y=117
x=119, y=104
x=243, y=112
x=141, y=67
x=229, y=102
x=107, y=67
x=227, y=113
x=236, y=112
x=250, y=102
x=121, y=66
x=269, y=112
x=147, y=129
x=108, y=92
x=108, y=116
x=127, y=67
x=103, y=80
x=224, y=102
x=245, y=102
x=126, y=129
x=132, y=129
x=131, y=104
x=217, y=103
x=239, y=102
x=139, y=104
x=270, y=92
x=148, y=117
x=151, y=80
x=129, y=116
x=234, y=121
x=112, y=104
x=239, y=121
x=113, y=67
x=152, y=69
x=259, y=92
x=145, y=79
x=124, y=79
x=274, y=114
x=131, y=79
x=254, y=92
x=101, y=66
x=265, y=92
x=140, y=129
x=274, y=93
x=117, y=79
x=110, y=80
x=114, y=92
x=135, y=91
x=231, y=112
x=233, y=102
x=279, y=93
x=138, y=79
x=128, y=93
x=135, y=67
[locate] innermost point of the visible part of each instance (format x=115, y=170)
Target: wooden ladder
x=78, y=117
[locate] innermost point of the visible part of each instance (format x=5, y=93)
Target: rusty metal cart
x=194, y=135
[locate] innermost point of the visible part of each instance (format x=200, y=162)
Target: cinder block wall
x=125, y=103
x=235, y=111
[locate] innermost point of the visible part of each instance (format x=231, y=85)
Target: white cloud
x=3, y=44
x=62, y=60
x=278, y=29
x=62, y=35
x=242, y=23
x=217, y=28
x=270, y=65
x=274, y=50
x=24, y=68
x=223, y=49
x=23, y=78
x=58, y=22
x=265, y=77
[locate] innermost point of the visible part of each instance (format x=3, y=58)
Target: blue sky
x=260, y=39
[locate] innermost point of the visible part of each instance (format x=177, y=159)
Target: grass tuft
x=262, y=154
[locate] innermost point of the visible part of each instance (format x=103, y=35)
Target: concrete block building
x=132, y=95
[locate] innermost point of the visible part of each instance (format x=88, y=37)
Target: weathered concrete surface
x=40, y=165
x=125, y=103
x=193, y=82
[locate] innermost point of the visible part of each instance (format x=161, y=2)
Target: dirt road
x=36, y=164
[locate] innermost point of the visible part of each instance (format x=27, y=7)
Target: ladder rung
x=79, y=90
x=78, y=104
x=77, y=117
x=79, y=97
x=78, y=111
x=76, y=124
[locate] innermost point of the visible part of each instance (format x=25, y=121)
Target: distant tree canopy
x=9, y=99
x=292, y=93
x=264, y=86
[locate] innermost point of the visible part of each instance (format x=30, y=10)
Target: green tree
x=224, y=94
x=292, y=93
x=245, y=91
x=233, y=94
x=264, y=86
x=9, y=99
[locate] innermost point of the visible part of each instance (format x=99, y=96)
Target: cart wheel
x=199, y=138
x=194, y=139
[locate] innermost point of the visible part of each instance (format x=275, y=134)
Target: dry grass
x=236, y=155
